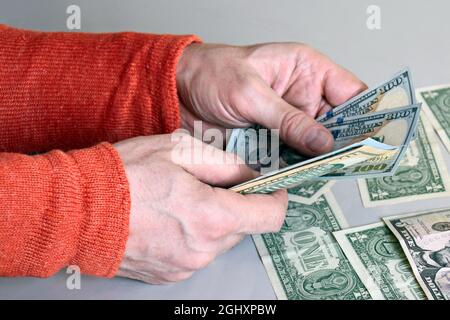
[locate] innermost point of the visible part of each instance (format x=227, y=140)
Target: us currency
x=295, y=174
x=377, y=139
x=436, y=102
x=422, y=174
x=394, y=127
x=380, y=263
x=309, y=191
x=304, y=261
x=425, y=240
x=397, y=91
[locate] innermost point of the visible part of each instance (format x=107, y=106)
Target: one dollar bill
x=436, y=102
x=422, y=174
x=304, y=261
x=380, y=263
x=425, y=240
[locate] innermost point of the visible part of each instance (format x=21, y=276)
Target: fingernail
x=317, y=139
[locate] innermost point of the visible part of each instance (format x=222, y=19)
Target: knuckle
x=221, y=225
x=216, y=228
x=199, y=261
x=176, y=276
x=242, y=87
x=279, y=216
x=216, y=221
x=293, y=123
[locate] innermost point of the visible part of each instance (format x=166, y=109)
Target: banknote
x=425, y=239
x=395, y=92
x=436, y=102
x=295, y=174
x=422, y=174
x=394, y=127
x=380, y=263
x=304, y=261
x=386, y=133
x=309, y=191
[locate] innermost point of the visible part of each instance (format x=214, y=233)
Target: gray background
x=413, y=33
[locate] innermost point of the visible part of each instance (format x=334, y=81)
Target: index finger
x=339, y=85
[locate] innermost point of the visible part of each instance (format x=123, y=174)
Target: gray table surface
x=413, y=33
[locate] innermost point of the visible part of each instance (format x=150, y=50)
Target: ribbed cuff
x=61, y=209
x=104, y=227
x=163, y=61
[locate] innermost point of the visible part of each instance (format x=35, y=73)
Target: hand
x=180, y=220
x=280, y=86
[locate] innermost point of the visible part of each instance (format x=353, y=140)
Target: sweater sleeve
x=63, y=90
x=62, y=209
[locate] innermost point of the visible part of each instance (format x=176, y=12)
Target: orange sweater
x=72, y=91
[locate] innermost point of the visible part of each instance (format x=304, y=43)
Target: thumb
x=297, y=129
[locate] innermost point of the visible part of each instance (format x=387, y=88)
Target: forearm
x=72, y=90
x=62, y=209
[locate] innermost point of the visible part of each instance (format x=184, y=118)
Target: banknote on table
x=378, y=259
x=304, y=261
x=422, y=174
x=425, y=240
x=395, y=92
x=371, y=144
x=436, y=103
x=309, y=191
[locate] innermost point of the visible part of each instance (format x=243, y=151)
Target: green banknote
x=397, y=91
x=425, y=240
x=436, y=102
x=422, y=174
x=304, y=261
x=309, y=191
x=380, y=263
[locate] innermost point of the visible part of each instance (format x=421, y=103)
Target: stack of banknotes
x=383, y=141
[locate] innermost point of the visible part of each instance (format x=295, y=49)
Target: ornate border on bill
x=309, y=191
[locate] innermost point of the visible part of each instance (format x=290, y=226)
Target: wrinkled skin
x=182, y=217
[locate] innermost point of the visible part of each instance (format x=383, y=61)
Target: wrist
x=185, y=65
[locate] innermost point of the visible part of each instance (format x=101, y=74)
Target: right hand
x=181, y=218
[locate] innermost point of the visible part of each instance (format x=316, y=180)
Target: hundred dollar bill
x=436, y=102
x=397, y=91
x=422, y=174
x=380, y=263
x=309, y=191
x=304, y=261
x=425, y=239
x=394, y=127
x=295, y=174
x=378, y=140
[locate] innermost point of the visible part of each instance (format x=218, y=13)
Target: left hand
x=279, y=85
